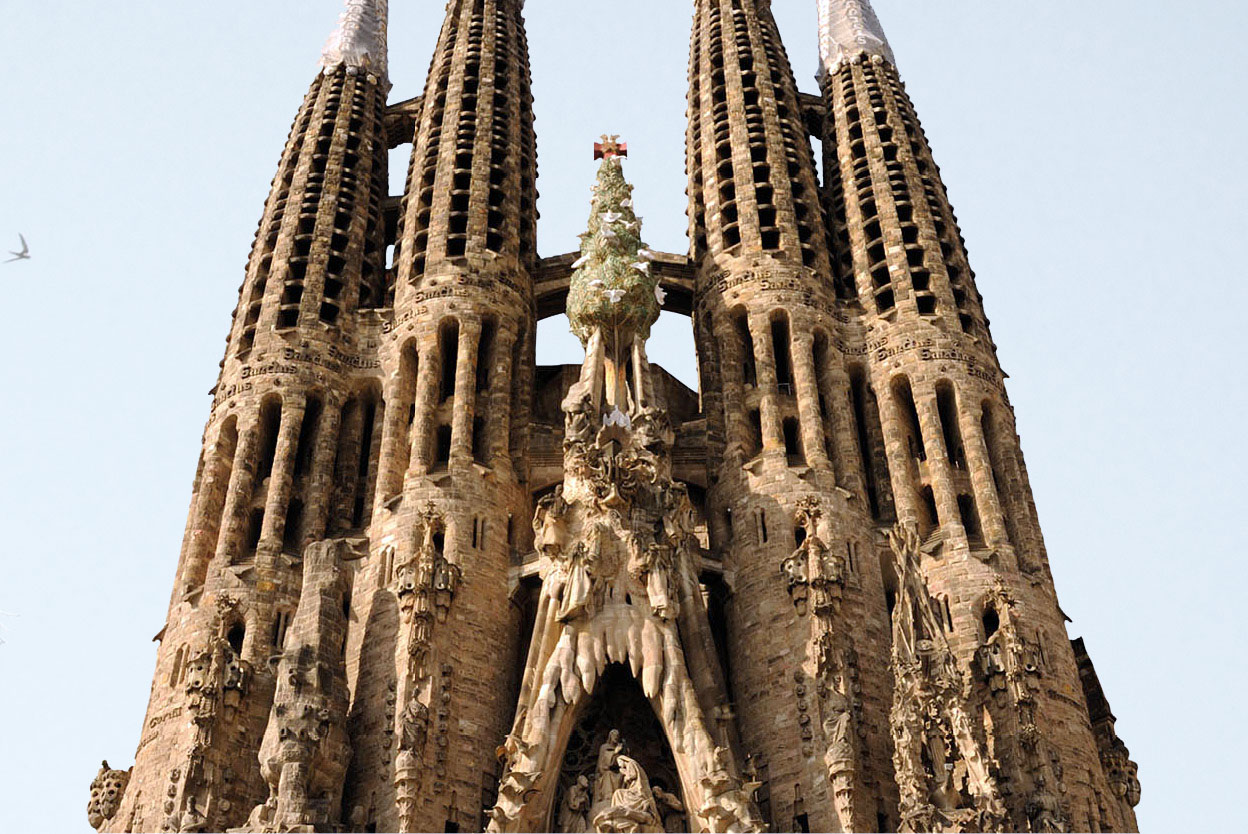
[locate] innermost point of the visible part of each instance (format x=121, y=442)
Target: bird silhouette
x=24, y=255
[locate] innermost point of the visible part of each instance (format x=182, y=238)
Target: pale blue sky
x=1095, y=152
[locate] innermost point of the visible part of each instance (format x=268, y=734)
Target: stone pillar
x=238, y=496
x=979, y=462
x=320, y=491
x=736, y=429
x=347, y=474
x=900, y=464
x=940, y=471
x=499, y=417
x=765, y=364
x=208, y=513
x=423, y=427
x=281, y=481
x=465, y=392
x=806, y=382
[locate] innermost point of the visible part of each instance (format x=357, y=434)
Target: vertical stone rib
x=320, y=489
x=281, y=481
x=940, y=471
x=978, y=460
x=805, y=379
x=464, y=409
x=765, y=361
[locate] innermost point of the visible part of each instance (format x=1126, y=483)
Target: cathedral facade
x=429, y=585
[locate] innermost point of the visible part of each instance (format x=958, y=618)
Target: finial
x=610, y=146
x=359, y=43
x=849, y=30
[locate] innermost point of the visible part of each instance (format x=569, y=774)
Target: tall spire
x=848, y=29
x=360, y=40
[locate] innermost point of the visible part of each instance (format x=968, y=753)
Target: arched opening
x=970, y=519
x=867, y=430
x=793, y=442
x=270, y=425
x=235, y=637
x=782, y=351
x=448, y=357
x=619, y=705
x=308, y=432
x=292, y=535
x=946, y=405
x=745, y=347
x=991, y=621
x=485, y=355
x=904, y=398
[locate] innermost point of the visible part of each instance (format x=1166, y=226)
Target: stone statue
x=728, y=804
x=574, y=813
x=631, y=808
x=607, y=776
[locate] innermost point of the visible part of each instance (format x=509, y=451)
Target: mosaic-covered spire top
x=360, y=40
x=848, y=29
x=613, y=287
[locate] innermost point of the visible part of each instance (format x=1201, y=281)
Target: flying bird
x=24, y=255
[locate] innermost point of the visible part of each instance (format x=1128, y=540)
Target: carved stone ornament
x=620, y=568
x=943, y=773
x=305, y=749
x=107, y=790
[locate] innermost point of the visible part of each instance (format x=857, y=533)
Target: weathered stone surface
x=554, y=554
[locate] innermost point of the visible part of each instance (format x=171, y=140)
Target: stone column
x=900, y=464
x=465, y=393
x=347, y=474
x=736, y=428
x=281, y=481
x=208, y=513
x=499, y=417
x=426, y=403
x=987, y=499
x=805, y=380
x=238, y=496
x=320, y=479
x=765, y=364
x=940, y=471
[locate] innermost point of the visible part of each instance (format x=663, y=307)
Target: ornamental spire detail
x=849, y=29
x=360, y=40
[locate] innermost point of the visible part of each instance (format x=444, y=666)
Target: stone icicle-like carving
x=107, y=789
x=943, y=773
x=619, y=564
x=305, y=750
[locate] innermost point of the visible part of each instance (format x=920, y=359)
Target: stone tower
x=428, y=585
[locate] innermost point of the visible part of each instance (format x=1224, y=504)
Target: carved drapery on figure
x=619, y=565
x=305, y=750
x=944, y=775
